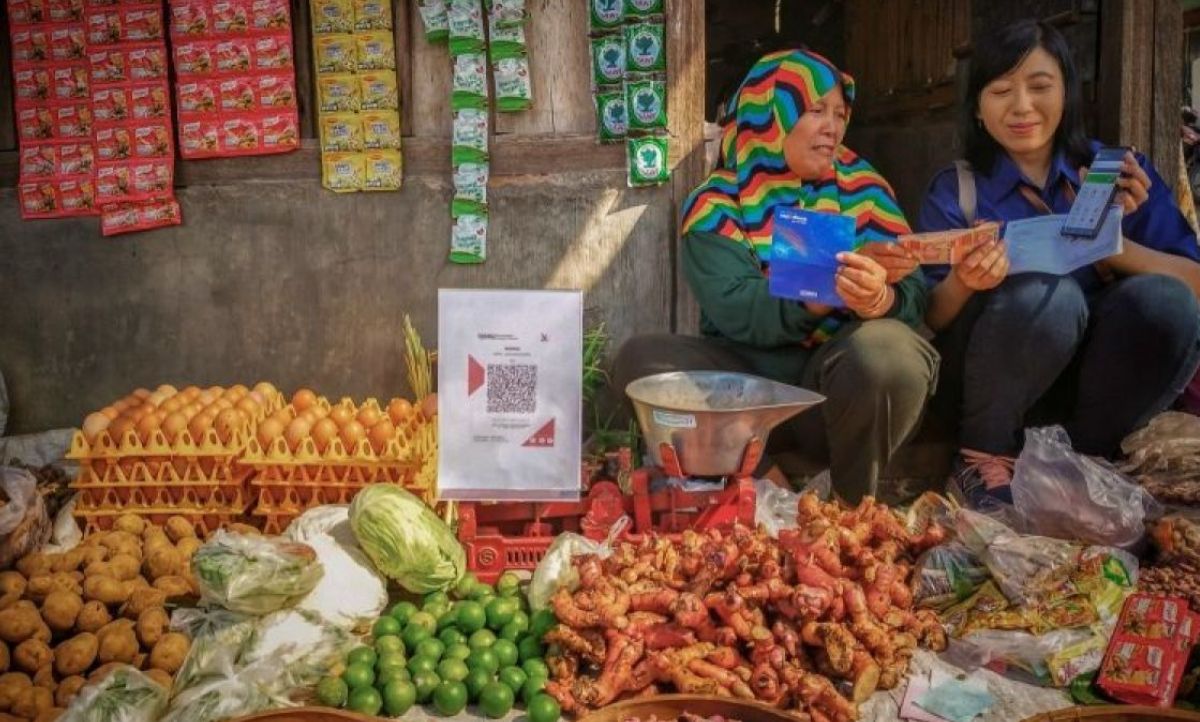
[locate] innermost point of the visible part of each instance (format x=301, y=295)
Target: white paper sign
x=510, y=375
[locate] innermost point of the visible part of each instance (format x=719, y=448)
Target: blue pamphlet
x=1038, y=245
x=804, y=249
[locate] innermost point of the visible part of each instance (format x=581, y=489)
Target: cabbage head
x=406, y=540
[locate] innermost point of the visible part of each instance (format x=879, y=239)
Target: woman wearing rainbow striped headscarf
x=783, y=149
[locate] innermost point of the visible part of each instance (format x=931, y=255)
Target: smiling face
x=812, y=145
x=1022, y=110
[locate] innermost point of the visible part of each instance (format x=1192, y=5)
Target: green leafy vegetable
x=406, y=540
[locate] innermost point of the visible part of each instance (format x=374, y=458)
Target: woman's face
x=812, y=145
x=1022, y=110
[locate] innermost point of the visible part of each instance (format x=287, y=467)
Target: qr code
x=511, y=389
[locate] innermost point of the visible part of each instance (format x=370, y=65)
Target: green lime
x=495, y=700
x=459, y=651
x=365, y=700
x=533, y=687
x=359, y=675
x=383, y=679
x=439, y=598
x=542, y=708
x=500, y=611
x=465, y=586
x=471, y=616
x=508, y=584
x=389, y=644
x=362, y=655
x=530, y=648
x=482, y=639
x=402, y=611
x=522, y=602
x=506, y=652
x=541, y=622
x=447, y=619
x=453, y=670
x=413, y=634
x=484, y=659
x=476, y=680
x=391, y=662
x=451, y=637
x=423, y=619
x=332, y=692
x=384, y=627
x=514, y=677
x=416, y=665
x=425, y=682
x=450, y=698
x=521, y=619
x=535, y=668
x=430, y=648
x=398, y=697
x=511, y=631
x=482, y=592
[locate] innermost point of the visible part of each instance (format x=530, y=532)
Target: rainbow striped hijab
x=752, y=179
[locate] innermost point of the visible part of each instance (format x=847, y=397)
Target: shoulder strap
x=967, y=202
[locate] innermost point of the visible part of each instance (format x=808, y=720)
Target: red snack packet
x=200, y=138
x=1148, y=653
x=197, y=96
x=32, y=85
x=71, y=82
x=67, y=43
x=78, y=196
x=39, y=162
x=147, y=63
x=152, y=140
x=237, y=94
x=149, y=101
x=193, y=57
x=142, y=24
x=189, y=18
x=113, y=144
x=39, y=200
x=279, y=132
x=76, y=159
x=273, y=52
x=276, y=91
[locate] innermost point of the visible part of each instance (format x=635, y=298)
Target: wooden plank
x=1126, y=69
x=402, y=30
x=560, y=67
x=1168, y=89
x=686, y=94
x=8, y=118
x=431, y=83
x=9, y=160
x=306, y=92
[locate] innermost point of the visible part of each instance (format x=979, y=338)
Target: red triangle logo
x=543, y=437
x=475, y=375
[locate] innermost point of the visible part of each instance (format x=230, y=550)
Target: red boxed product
x=1148, y=653
x=129, y=217
x=71, y=82
x=149, y=100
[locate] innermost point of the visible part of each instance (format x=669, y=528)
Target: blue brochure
x=804, y=249
x=1038, y=244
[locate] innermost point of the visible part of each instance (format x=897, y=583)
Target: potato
x=169, y=652
x=118, y=642
x=12, y=588
x=162, y=678
x=152, y=624
x=11, y=685
x=142, y=599
x=34, y=565
x=187, y=548
x=105, y=589
x=44, y=677
x=61, y=609
x=43, y=632
x=92, y=617
x=5, y=662
x=6, y=717
x=179, y=527
x=163, y=562
x=40, y=587
x=173, y=587
x=140, y=659
x=68, y=561
x=76, y=654
x=67, y=689
x=31, y=701
x=50, y=715
x=154, y=536
x=124, y=567
x=18, y=623
x=238, y=528
x=91, y=555
x=131, y=523
x=102, y=671
x=32, y=654
x=117, y=538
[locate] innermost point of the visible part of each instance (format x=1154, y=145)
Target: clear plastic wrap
x=124, y=695
x=555, y=570
x=24, y=524
x=327, y=530
x=255, y=575
x=946, y=575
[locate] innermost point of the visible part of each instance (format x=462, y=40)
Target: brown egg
x=143, y=411
x=173, y=425
x=172, y=404
x=167, y=389
x=140, y=393
x=110, y=412
x=269, y=430
x=296, y=432
x=341, y=414
x=119, y=426
x=284, y=416
x=380, y=434
x=257, y=398
x=429, y=406
x=248, y=407
x=120, y=405
x=223, y=403
x=323, y=432
x=399, y=410
x=206, y=397
x=303, y=399
x=228, y=423
x=190, y=392
x=93, y=424
x=310, y=415
x=192, y=409
x=265, y=388
x=199, y=426
x=368, y=415
x=352, y=433
x=147, y=426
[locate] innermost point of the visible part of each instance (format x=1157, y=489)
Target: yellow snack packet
x=381, y=129
x=379, y=91
x=341, y=132
x=332, y=16
x=335, y=53
x=338, y=93
x=372, y=15
x=342, y=172
x=383, y=169
x=376, y=50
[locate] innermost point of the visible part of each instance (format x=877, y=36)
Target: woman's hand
x=863, y=285
x=1133, y=184
x=898, y=262
x=984, y=268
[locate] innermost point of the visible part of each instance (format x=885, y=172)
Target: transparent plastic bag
x=222, y=697
x=24, y=524
x=255, y=575
x=1060, y=493
x=1169, y=443
x=123, y=695
x=327, y=530
x=774, y=507
x=946, y=575
x=555, y=570
x=1037, y=659
x=219, y=638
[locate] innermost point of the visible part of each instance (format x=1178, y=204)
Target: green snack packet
x=607, y=14
x=647, y=161
x=505, y=41
x=507, y=13
x=469, y=136
x=608, y=59
x=514, y=89
x=646, y=104
x=612, y=119
x=465, y=19
x=468, y=238
x=435, y=17
x=470, y=82
x=470, y=187
x=645, y=49
x=643, y=8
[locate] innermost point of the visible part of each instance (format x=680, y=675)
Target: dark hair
x=998, y=53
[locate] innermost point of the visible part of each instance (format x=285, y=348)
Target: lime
x=453, y=670
x=447, y=619
x=450, y=698
x=385, y=626
x=430, y=648
x=451, y=637
x=495, y=700
x=484, y=659
x=465, y=586
x=500, y=611
x=514, y=677
x=383, y=679
x=506, y=652
x=332, y=692
x=521, y=619
x=476, y=680
x=530, y=648
x=511, y=631
x=471, y=616
x=391, y=662
x=423, y=619
x=389, y=644
x=365, y=700
x=413, y=634
x=482, y=639
x=459, y=651
x=541, y=622
x=533, y=687
x=436, y=598
x=359, y=675
x=508, y=585
x=362, y=655
x=425, y=683
x=416, y=665
x=402, y=611
x=522, y=602
x=535, y=668
x=398, y=697
x=482, y=592
x=542, y=708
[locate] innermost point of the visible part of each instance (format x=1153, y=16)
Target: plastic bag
x=65, y=535
x=327, y=530
x=124, y=695
x=255, y=575
x=1060, y=493
x=24, y=525
x=555, y=570
x=1044, y=659
x=1177, y=538
x=946, y=575
x=219, y=638
x=1170, y=442
x=220, y=698
x=774, y=507
x=298, y=646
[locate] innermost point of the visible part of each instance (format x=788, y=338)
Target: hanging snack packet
x=372, y=15
x=375, y=50
x=612, y=119
x=470, y=136
x=514, y=89
x=342, y=172
x=643, y=8
x=383, y=170
x=606, y=15
x=608, y=60
x=470, y=187
x=507, y=13
x=646, y=104
x=645, y=49
x=332, y=16
x=341, y=132
x=338, y=93
x=468, y=238
x=335, y=53
x=647, y=161
x=380, y=129
x=466, y=27
x=470, y=82
x=504, y=40
x=436, y=19
x=378, y=90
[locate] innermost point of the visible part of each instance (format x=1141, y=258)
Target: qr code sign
x=511, y=389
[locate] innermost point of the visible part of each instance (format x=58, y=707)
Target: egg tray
x=204, y=521
x=183, y=495
x=160, y=471
x=411, y=453
x=210, y=445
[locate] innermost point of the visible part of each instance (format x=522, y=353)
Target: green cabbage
x=406, y=540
